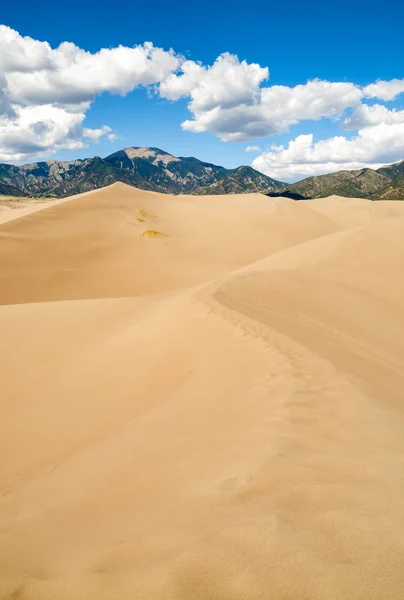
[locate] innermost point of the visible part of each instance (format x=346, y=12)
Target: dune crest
x=210, y=413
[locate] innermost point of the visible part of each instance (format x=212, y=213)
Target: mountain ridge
x=385, y=183
x=153, y=169
x=147, y=168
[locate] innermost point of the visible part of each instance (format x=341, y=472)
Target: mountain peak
x=153, y=155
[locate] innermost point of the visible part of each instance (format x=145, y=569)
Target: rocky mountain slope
x=386, y=183
x=242, y=179
x=8, y=190
x=145, y=168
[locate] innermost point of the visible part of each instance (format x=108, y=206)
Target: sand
x=213, y=413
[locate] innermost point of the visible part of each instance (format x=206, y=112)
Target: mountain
x=145, y=168
x=157, y=170
x=160, y=169
x=240, y=180
x=394, y=190
x=386, y=183
x=51, y=178
x=8, y=190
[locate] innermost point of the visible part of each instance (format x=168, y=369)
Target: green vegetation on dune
x=153, y=233
x=144, y=214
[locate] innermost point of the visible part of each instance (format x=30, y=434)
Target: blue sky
x=345, y=42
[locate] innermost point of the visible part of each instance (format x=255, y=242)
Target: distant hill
x=145, y=168
x=242, y=179
x=386, y=183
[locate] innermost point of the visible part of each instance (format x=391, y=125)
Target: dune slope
x=102, y=244
x=211, y=414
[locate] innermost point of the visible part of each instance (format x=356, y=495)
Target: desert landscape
x=202, y=398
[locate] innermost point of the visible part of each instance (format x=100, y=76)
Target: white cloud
x=19, y=53
x=227, y=99
x=236, y=108
x=227, y=83
x=36, y=129
x=78, y=76
x=385, y=90
x=368, y=116
x=35, y=73
x=253, y=149
x=96, y=134
x=373, y=147
x=45, y=92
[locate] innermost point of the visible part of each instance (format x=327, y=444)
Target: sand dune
x=94, y=246
x=213, y=413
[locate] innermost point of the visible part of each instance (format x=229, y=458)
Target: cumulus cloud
x=227, y=83
x=369, y=116
x=255, y=111
x=385, y=90
x=96, y=134
x=36, y=129
x=45, y=92
x=38, y=74
x=253, y=149
x=373, y=147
